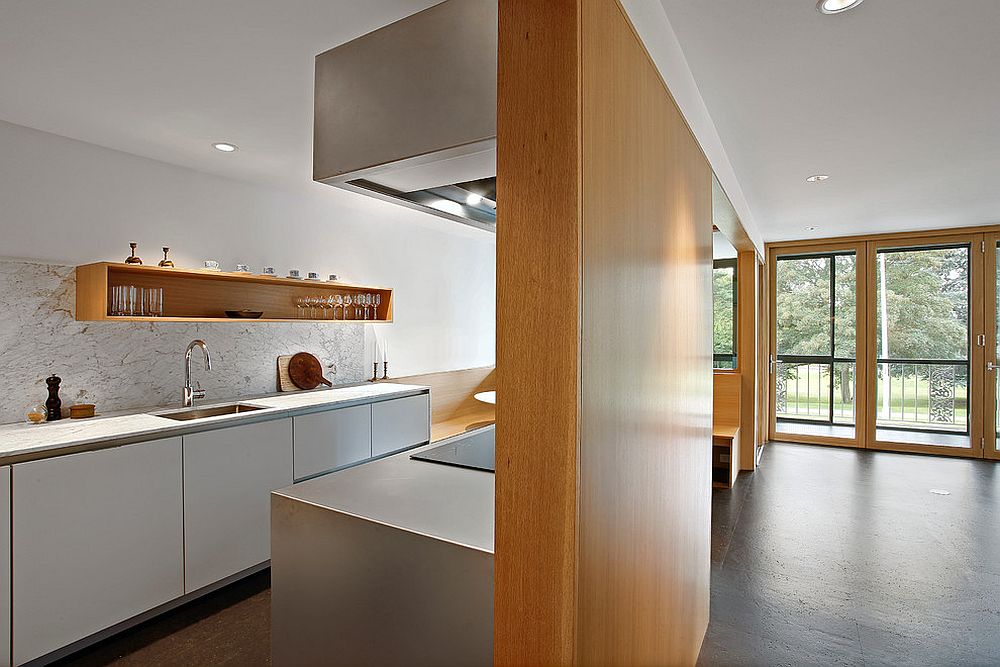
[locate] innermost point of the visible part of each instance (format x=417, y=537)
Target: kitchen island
x=386, y=563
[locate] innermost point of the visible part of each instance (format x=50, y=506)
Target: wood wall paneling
x=645, y=423
x=538, y=331
x=746, y=302
x=604, y=419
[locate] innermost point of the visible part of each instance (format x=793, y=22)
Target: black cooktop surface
x=476, y=451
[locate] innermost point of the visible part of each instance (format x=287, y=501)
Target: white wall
x=68, y=202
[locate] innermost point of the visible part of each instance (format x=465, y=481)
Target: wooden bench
x=725, y=429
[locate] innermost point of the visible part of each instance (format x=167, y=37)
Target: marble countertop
x=443, y=502
x=22, y=442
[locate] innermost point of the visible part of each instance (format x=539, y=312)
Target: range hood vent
x=408, y=113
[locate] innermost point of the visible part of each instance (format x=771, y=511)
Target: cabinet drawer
x=325, y=441
x=99, y=540
x=400, y=423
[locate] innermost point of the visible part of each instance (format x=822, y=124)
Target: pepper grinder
x=53, y=406
x=132, y=259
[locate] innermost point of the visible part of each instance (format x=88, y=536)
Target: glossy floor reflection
x=831, y=556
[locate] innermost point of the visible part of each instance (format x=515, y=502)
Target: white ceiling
x=899, y=102
x=166, y=79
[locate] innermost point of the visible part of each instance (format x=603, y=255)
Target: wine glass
x=347, y=305
x=368, y=304
x=300, y=305
x=376, y=302
x=338, y=302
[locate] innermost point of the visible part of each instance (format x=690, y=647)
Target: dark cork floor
x=824, y=556
x=829, y=556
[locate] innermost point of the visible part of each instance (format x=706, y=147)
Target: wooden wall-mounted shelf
x=193, y=295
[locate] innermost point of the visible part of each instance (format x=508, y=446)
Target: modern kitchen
x=209, y=369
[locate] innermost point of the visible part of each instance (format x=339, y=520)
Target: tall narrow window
x=724, y=313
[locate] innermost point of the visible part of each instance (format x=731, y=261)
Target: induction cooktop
x=476, y=450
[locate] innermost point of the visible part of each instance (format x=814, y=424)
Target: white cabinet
x=228, y=478
x=4, y=566
x=400, y=423
x=332, y=439
x=98, y=539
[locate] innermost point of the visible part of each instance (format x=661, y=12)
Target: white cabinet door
x=99, y=539
x=400, y=423
x=228, y=478
x=333, y=439
x=4, y=566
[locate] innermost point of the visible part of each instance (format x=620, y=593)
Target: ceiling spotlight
x=811, y=228
x=473, y=199
x=225, y=147
x=836, y=6
x=816, y=178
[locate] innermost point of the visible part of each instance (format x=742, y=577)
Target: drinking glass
x=154, y=302
x=300, y=305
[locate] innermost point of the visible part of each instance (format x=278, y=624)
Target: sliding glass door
x=922, y=346
x=814, y=299
x=882, y=342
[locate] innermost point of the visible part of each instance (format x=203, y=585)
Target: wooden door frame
x=976, y=327
x=860, y=388
x=990, y=275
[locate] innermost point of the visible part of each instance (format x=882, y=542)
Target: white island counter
x=390, y=562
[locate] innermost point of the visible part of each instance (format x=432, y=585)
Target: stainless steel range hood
x=408, y=113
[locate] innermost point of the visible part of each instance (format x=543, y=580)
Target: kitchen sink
x=188, y=414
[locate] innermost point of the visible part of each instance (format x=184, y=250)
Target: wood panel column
x=604, y=348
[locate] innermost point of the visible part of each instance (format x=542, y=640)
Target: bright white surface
x=73, y=203
x=20, y=439
x=99, y=540
x=168, y=79
x=486, y=397
x=439, y=501
x=897, y=101
x=228, y=476
x=721, y=247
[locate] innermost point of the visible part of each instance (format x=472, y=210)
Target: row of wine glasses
x=352, y=306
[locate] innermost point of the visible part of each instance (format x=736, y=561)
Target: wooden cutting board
x=284, y=380
x=289, y=373
x=306, y=372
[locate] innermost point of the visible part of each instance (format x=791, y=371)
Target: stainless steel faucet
x=190, y=394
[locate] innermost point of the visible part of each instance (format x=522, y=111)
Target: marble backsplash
x=128, y=365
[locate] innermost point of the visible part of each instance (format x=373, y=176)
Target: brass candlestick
x=132, y=259
x=166, y=263
x=385, y=370
x=374, y=372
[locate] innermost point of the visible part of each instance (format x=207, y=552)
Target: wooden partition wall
x=604, y=356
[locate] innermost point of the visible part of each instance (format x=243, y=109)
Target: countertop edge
x=171, y=428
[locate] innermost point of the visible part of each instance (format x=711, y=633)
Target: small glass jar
x=37, y=413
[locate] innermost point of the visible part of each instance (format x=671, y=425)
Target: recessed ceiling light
x=816, y=178
x=836, y=6
x=225, y=147
x=811, y=228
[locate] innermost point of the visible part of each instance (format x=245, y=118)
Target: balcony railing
x=924, y=394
